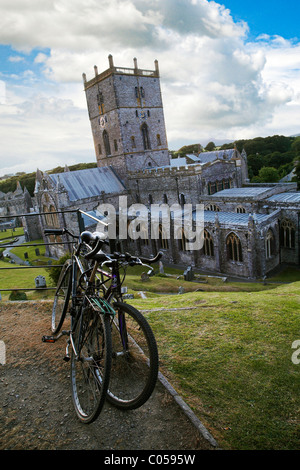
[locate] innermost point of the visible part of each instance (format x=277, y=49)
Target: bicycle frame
x=78, y=301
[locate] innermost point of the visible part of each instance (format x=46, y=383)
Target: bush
x=55, y=272
x=17, y=295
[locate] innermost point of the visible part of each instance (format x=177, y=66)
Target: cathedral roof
x=91, y=182
x=207, y=157
x=234, y=219
x=285, y=197
x=247, y=192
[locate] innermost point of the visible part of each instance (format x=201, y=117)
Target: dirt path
x=36, y=406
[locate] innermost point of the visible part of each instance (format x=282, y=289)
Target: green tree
x=296, y=145
x=255, y=163
x=268, y=174
x=210, y=147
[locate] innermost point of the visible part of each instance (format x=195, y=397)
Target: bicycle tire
x=62, y=297
x=135, y=363
x=91, y=369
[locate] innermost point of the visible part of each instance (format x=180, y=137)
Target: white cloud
x=2, y=92
x=214, y=82
x=16, y=58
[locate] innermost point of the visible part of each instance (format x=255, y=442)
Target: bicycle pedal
x=66, y=358
x=48, y=339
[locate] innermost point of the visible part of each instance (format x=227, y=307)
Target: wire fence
x=13, y=243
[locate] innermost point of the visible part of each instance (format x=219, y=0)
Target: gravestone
x=188, y=274
x=40, y=281
x=161, y=268
x=144, y=277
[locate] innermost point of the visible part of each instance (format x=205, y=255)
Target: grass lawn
x=24, y=278
x=229, y=354
x=35, y=259
x=5, y=237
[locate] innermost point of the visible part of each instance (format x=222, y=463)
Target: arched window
x=234, y=248
x=270, y=244
x=181, y=239
x=182, y=199
x=163, y=240
x=212, y=207
x=212, y=188
x=145, y=236
x=106, y=143
x=287, y=234
x=100, y=102
x=220, y=186
x=208, y=245
x=240, y=210
x=145, y=135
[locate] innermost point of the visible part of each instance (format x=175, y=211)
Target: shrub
x=17, y=295
x=55, y=272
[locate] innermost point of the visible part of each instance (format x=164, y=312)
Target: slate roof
x=227, y=218
x=285, y=197
x=234, y=218
x=206, y=157
x=82, y=184
x=242, y=192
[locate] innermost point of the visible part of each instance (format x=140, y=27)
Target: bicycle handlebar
x=59, y=231
x=96, y=241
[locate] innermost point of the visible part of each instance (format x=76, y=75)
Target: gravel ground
x=36, y=406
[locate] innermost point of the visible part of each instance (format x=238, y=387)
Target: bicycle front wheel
x=62, y=297
x=90, y=364
x=134, y=366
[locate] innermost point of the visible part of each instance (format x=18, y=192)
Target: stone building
x=249, y=230
x=58, y=197
x=15, y=202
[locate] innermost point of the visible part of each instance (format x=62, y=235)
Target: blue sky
x=229, y=70
x=272, y=17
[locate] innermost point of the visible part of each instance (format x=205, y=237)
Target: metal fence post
x=80, y=221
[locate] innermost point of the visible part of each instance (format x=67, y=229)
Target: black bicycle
x=113, y=349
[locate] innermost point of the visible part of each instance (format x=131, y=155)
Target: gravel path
x=36, y=406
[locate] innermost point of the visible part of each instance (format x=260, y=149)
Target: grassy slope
x=230, y=358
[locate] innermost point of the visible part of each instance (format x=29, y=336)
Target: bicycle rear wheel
x=134, y=366
x=90, y=366
x=62, y=297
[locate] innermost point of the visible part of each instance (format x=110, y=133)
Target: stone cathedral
x=250, y=229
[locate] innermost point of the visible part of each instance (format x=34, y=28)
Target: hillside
x=277, y=152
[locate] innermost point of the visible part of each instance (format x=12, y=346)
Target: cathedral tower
x=127, y=119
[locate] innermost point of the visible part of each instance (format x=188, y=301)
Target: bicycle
x=89, y=335
x=114, y=353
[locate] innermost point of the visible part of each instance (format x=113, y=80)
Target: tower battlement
x=120, y=71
